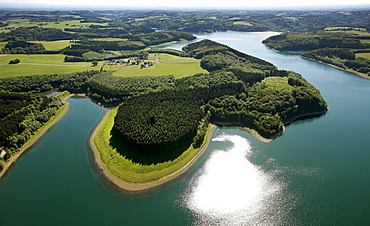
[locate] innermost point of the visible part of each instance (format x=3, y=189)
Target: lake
x=316, y=173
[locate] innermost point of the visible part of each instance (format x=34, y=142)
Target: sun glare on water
x=229, y=189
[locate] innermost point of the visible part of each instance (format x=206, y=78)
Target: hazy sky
x=231, y=4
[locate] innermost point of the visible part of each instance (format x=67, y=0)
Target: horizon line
x=62, y=7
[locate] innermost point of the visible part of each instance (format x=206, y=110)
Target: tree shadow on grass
x=139, y=158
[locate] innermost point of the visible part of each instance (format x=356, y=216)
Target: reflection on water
x=229, y=189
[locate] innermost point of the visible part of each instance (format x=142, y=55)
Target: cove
x=317, y=173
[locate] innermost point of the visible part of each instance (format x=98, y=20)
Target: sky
x=224, y=4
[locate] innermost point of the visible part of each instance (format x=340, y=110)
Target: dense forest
x=306, y=42
x=74, y=82
x=168, y=120
x=237, y=91
x=21, y=115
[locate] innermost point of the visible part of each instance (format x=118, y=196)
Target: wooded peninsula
x=162, y=120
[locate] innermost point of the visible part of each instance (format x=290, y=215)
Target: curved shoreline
x=133, y=187
x=33, y=140
x=332, y=65
x=141, y=187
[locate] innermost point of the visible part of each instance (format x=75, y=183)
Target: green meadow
x=364, y=55
x=54, y=45
x=37, y=64
x=166, y=64
x=59, y=25
x=279, y=83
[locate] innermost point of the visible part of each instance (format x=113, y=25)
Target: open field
x=243, y=23
x=54, y=45
x=277, y=83
x=110, y=39
x=59, y=25
x=2, y=44
x=365, y=40
x=37, y=64
x=165, y=65
x=364, y=55
x=354, y=31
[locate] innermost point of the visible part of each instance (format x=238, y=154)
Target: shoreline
x=132, y=187
x=268, y=140
x=33, y=140
x=322, y=62
x=332, y=65
x=141, y=187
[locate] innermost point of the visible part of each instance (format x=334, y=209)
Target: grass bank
x=131, y=176
x=39, y=133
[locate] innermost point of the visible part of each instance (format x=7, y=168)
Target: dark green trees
x=15, y=61
x=20, y=116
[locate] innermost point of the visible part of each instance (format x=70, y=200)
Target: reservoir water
x=317, y=173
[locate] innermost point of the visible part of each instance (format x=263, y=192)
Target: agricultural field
x=37, y=64
x=58, y=25
x=165, y=65
x=243, y=23
x=348, y=30
x=365, y=40
x=53, y=45
x=364, y=55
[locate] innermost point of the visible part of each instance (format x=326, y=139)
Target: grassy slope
x=37, y=64
x=54, y=45
x=169, y=65
x=277, y=83
x=128, y=171
x=364, y=55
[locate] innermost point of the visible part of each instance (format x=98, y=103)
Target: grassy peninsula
x=132, y=176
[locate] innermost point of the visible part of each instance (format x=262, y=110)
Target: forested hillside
x=239, y=90
x=20, y=116
x=168, y=120
x=343, y=58
x=305, y=42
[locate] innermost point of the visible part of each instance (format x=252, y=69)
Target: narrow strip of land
x=138, y=187
x=343, y=69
